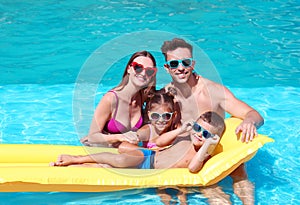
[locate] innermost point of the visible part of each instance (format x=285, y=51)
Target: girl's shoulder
x=144, y=132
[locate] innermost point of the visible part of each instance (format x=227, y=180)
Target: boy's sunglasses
x=166, y=116
x=206, y=134
x=173, y=64
x=138, y=68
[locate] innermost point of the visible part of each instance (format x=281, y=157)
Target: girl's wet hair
x=161, y=97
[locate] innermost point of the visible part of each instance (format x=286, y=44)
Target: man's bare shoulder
x=209, y=84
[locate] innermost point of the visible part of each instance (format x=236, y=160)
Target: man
x=196, y=94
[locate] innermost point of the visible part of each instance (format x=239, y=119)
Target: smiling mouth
x=197, y=137
x=141, y=77
x=161, y=123
x=182, y=74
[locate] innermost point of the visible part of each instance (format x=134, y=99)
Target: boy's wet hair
x=215, y=120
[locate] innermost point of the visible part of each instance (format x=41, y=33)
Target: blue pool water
x=49, y=50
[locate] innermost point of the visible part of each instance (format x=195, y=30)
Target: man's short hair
x=174, y=44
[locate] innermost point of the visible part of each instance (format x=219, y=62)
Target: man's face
x=181, y=70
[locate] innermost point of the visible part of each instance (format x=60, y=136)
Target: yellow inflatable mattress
x=25, y=168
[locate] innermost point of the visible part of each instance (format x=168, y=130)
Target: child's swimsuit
x=115, y=127
x=150, y=145
x=148, y=162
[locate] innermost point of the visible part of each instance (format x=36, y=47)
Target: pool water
x=48, y=92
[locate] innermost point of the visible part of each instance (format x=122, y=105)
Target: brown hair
x=161, y=97
x=174, y=44
x=151, y=85
x=214, y=120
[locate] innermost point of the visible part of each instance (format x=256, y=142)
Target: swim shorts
x=148, y=159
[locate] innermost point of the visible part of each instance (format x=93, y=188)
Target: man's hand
x=248, y=131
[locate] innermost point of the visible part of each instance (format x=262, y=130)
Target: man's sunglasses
x=173, y=64
x=138, y=68
x=166, y=116
x=206, y=134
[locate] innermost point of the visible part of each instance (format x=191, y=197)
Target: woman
x=120, y=110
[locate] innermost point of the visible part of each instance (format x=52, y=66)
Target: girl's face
x=141, y=71
x=161, y=117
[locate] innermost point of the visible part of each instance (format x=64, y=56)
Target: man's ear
x=193, y=64
x=166, y=66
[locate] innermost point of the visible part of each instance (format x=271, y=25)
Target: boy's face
x=201, y=130
x=180, y=73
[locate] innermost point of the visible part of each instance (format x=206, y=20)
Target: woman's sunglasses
x=206, y=134
x=166, y=116
x=138, y=68
x=173, y=64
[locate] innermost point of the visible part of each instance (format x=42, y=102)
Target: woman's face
x=161, y=117
x=141, y=71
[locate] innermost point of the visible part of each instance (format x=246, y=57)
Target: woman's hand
x=85, y=141
x=130, y=137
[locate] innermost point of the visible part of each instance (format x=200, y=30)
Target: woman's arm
x=102, y=114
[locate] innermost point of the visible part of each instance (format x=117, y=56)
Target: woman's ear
x=128, y=70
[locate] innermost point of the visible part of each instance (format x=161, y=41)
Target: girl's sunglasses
x=173, y=64
x=166, y=116
x=138, y=68
x=206, y=134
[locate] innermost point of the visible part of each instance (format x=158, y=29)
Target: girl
x=120, y=109
x=160, y=115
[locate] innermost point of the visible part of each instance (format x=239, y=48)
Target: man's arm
x=252, y=120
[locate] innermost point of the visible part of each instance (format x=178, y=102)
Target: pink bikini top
x=115, y=127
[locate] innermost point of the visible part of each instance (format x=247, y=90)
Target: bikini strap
x=150, y=128
x=117, y=103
